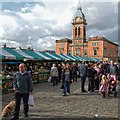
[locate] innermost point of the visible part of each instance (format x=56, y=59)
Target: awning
x=12, y=63
x=86, y=58
x=24, y=54
x=42, y=55
x=97, y=59
x=58, y=56
x=72, y=59
x=7, y=55
x=89, y=59
x=2, y=57
x=50, y=54
x=52, y=57
x=13, y=52
x=92, y=59
x=75, y=58
x=80, y=58
x=33, y=54
x=65, y=58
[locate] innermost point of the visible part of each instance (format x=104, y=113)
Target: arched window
x=85, y=52
x=95, y=52
x=78, y=31
x=77, y=51
x=61, y=50
x=84, y=33
x=75, y=31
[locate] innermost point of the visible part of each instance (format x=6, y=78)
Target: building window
x=75, y=31
x=85, y=52
x=78, y=31
x=77, y=51
x=95, y=52
x=69, y=52
x=61, y=50
x=95, y=44
x=84, y=33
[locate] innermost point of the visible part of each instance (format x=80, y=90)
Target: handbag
x=31, y=101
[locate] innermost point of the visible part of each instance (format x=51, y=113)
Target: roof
x=64, y=40
x=96, y=38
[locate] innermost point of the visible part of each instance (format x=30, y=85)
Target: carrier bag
x=49, y=79
x=31, y=101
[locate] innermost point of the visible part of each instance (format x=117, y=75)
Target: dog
x=8, y=109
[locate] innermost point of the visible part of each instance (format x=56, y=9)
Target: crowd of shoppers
x=93, y=72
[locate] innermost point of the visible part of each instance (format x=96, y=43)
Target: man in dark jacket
x=59, y=73
x=83, y=74
x=91, y=77
x=74, y=72
x=22, y=85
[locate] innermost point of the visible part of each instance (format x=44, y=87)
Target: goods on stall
x=5, y=82
x=40, y=74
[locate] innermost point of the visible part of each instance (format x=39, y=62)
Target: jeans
x=91, y=84
x=66, y=88
x=83, y=78
x=74, y=76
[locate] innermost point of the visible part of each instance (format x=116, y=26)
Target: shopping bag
x=62, y=86
x=31, y=101
x=49, y=79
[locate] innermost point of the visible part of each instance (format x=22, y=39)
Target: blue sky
x=39, y=24
x=16, y=6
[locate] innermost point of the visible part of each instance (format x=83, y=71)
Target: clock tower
x=79, y=32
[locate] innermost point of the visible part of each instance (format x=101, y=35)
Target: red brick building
x=96, y=47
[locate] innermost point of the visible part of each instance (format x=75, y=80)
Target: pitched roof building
x=96, y=47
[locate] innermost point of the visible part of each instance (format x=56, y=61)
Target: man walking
x=83, y=74
x=22, y=85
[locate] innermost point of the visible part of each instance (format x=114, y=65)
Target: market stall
x=6, y=83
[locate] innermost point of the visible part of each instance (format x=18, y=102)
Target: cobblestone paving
x=49, y=103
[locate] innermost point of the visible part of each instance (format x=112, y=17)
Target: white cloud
x=35, y=27
x=40, y=41
x=26, y=16
x=2, y=32
x=8, y=24
x=39, y=26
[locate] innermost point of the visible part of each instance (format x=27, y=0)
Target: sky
x=38, y=24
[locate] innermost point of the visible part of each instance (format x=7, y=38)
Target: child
x=103, y=86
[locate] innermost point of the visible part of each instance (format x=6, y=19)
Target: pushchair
x=112, y=81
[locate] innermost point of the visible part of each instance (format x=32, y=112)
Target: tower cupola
x=79, y=13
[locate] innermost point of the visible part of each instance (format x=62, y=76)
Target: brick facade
x=96, y=47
